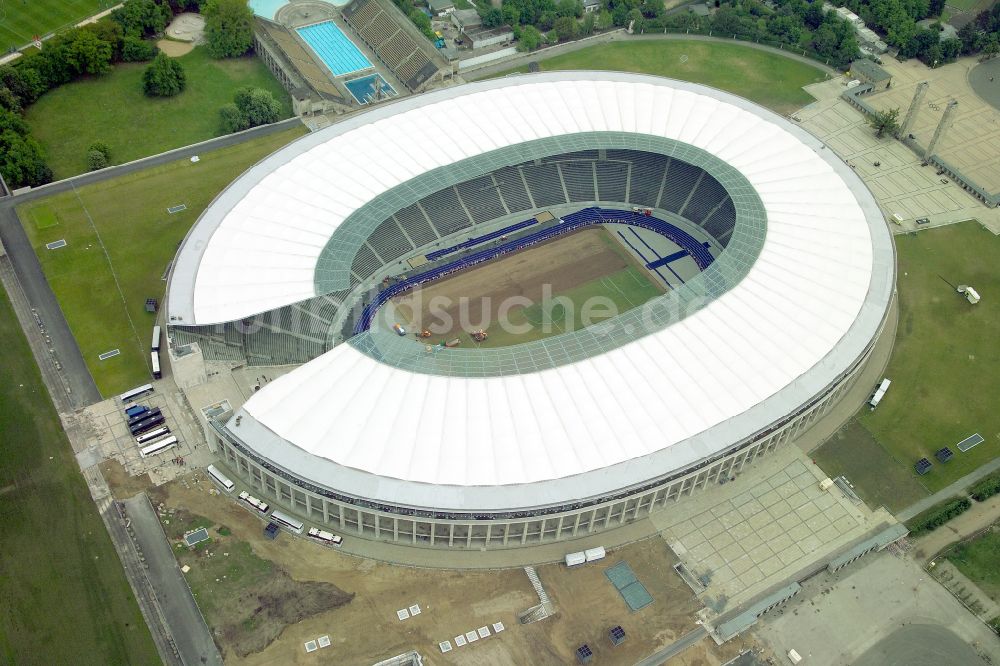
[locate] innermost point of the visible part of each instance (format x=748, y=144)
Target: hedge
x=938, y=515
x=986, y=487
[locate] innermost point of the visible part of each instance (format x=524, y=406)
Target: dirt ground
x=367, y=630
x=175, y=49
x=561, y=263
x=122, y=485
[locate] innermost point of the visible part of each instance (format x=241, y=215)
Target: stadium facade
x=550, y=439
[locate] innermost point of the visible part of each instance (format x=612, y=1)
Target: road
x=191, y=635
x=675, y=648
x=957, y=488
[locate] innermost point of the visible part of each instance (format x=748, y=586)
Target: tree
x=96, y=160
x=589, y=22
x=136, y=49
x=492, y=17
x=885, y=121
x=566, y=28
x=604, y=20
x=992, y=47
x=103, y=148
x=142, y=17
x=530, y=38
x=573, y=8
x=229, y=27
x=164, y=77
x=22, y=161
x=250, y=107
x=86, y=53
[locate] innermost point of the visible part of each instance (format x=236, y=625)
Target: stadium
x=762, y=273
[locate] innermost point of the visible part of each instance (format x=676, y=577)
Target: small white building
x=441, y=7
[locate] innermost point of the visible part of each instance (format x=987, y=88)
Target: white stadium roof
x=807, y=310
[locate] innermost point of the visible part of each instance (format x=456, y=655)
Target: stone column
x=942, y=126
x=911, y=114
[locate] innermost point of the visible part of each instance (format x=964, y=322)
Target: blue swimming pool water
x=364, y=88
x=267, y=8
x=334, y=48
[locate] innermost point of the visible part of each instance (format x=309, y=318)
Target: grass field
x=114, y=110
x=120, y=240
x=945, y=365
x=63, y=595
x=558, y=284
x=772, y=80
x=878, y=478
x=21, y=20
x=979, y=559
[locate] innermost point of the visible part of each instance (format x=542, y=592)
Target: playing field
x=63, y=595
x=133, y=125
x=21, y=20
x=766, y=78
x=120, y=240
x=564, y=284
x=979, y=559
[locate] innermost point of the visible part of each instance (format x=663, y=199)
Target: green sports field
x=21, y=20
x=979, y=559
x=63, y=595
x=120, y=240
x=133, y=125
x=767, y=78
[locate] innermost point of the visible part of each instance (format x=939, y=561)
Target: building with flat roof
x=867, y=71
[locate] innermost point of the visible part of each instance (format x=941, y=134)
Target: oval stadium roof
x=806, y=310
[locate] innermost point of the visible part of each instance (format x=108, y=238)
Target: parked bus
x=258, y=505
x=287, y=522
x=155, y=356
x=135, y=410
x=148, y=424
x=152, y=434
x=142, y=416
x=159, y=446
x=220, y=478
x=325, y=537
x=156, y=339
x=136, y=393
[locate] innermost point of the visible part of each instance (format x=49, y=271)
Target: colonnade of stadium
x=427, y=527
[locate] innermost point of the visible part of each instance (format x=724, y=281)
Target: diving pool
x=363, y=89
x=334, y=48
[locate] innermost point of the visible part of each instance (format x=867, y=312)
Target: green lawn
x=769, y=79
x=63, y=595
x=139, y=240
x=113, y=109
x=878, y=478
x=21, y=20
x=945, y=365
x=979, y=559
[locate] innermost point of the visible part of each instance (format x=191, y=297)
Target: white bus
x=287, y=522
x=221, y=478
x=159, y=446
x=155, y=356
x=325, y=537
x=137, y=392
x=152, y=434
x=255, y=503
x=155, y=346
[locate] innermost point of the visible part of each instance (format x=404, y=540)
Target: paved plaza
x=899, y=182
x=972, y=143
x=883, y=610
x=762, y=529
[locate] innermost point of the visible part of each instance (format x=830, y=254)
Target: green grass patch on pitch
x=115, y=110
x=44, y=218
x=120, y=240
x=979, y=559
x=21, y=20
x=878, y=478
x=65, y=596
x=945, y=365
x=766, y=78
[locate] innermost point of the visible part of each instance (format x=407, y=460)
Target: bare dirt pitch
x=366, y=629
x=579, y=266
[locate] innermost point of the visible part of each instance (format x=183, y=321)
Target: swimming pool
x=334, y=48
x=363, y=89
